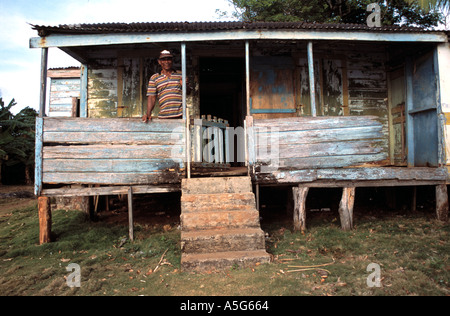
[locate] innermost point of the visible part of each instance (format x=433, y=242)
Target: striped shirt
x=169, y=92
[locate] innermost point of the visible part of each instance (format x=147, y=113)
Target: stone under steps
x=220, y=224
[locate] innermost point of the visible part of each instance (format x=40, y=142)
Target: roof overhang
x=104, y=39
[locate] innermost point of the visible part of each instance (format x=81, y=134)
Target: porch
x=306, y=106
x=94, y=157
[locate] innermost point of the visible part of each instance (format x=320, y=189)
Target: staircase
x=220, y=224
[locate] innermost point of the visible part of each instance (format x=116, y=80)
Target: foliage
x=17, y=135
x=432, y=4
x=393, y=12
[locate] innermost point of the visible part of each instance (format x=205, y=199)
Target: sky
x=20, y=65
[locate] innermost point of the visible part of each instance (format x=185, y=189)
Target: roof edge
x=163, y=27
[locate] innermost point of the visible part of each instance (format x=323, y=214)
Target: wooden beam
x=346, y=208
x=300, y=193
x=84, y=91
x=184, y=83
x=364, y=176
x=44, y=64
x=312, y=89
x=409, y=73
x=257, y=197
x=74, y=111
x=45, y=219
x=442, y=202
x=64, y=73
x=247, y=77
x=130, y=214
x=77, y=40
x=38, y=158
x=111, y=190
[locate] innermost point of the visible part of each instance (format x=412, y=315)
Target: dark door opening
x=222, y=89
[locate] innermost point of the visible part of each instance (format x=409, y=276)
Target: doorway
x=222, y=89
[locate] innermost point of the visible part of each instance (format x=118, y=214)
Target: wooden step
x=216, y=185
x=217, y=202
x=218, y=240
x=219, y=219
x=223, y=260
x=220, y=224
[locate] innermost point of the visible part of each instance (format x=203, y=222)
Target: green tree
x=432, y=4
x=393, y=12
x=17, y=137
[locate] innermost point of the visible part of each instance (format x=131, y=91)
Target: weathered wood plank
x=315, y=123
x=54, y=124
x=113, y=190
x=318, y=136
x=61, y=107
x=376, y=176
x=109, y=178
x=110, y=165
x=114, y=152
x=114, y=138
x=326, y=149
x=321, y=162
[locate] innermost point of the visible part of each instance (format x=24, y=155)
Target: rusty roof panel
x=149, y=27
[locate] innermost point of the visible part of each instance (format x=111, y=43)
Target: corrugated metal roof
x=150, y=27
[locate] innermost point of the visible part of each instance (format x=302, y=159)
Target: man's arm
x=151, y=100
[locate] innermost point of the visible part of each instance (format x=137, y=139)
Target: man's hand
x=146, y=118
x=151, y=100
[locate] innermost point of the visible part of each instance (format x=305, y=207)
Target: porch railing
x=210, y=142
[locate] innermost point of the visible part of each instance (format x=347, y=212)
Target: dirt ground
x=16, y=196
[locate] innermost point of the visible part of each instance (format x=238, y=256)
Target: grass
x=412, y=251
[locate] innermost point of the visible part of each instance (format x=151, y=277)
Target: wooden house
x=64, y=92
x=295, y=104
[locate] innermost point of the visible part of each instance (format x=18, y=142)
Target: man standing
x=167, y=86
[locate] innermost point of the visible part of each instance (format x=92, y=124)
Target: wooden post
x=130, y=213
x=300, y=195
x=346, y=208
x=442, y=202
x=257, y=197
x=414, y=200
x=247, y=76
x=45, y=220
x=312, y=89
x=43, y=92
x=75, y=108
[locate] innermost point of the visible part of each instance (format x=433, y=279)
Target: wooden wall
x=102, y=90
x=112, y=151
x=316, y=142
x=64, y=85
x=350, y=80
x=118, y=78
x=443, y=55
